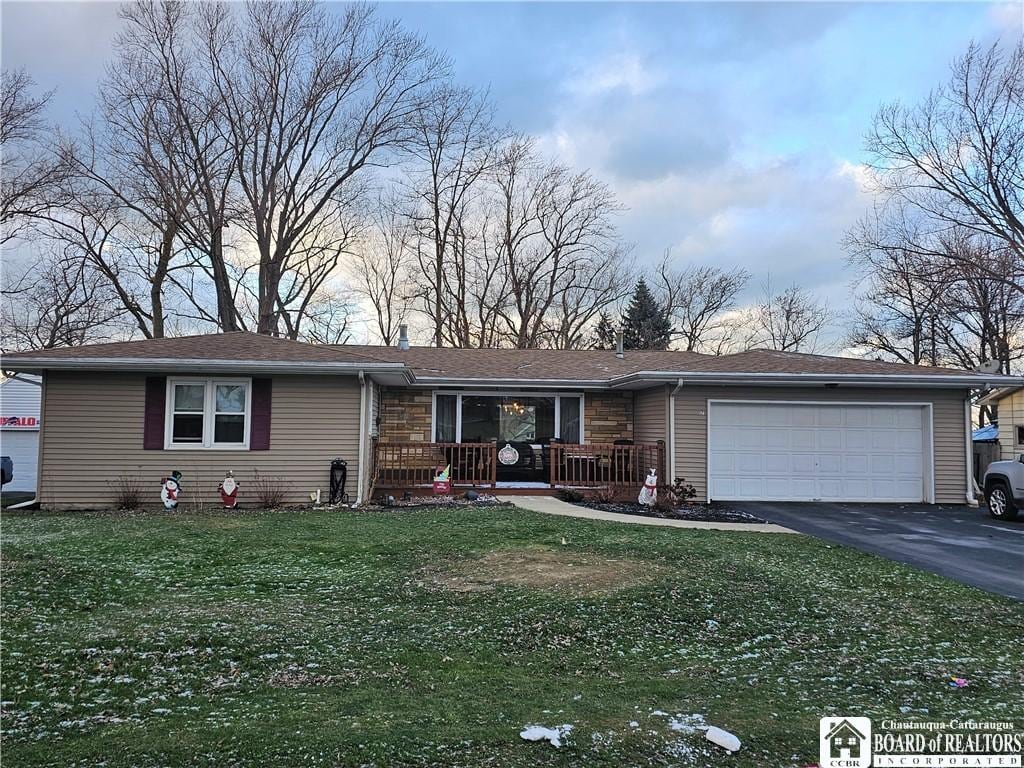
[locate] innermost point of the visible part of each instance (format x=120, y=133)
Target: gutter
x=179, y=365
x=967, y=381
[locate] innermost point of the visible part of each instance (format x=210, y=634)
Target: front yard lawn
x=432, y=637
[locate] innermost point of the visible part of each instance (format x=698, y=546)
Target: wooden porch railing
x=605, y=464
x=413, y=465
x=593, y=465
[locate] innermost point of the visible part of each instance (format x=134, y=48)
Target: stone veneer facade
x=404, y=416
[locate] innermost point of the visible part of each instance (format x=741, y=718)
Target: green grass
x=331, y=638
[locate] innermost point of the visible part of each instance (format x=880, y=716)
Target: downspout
x=34, y=501
x=972, y=501
x=672, y=433
x=361, y=474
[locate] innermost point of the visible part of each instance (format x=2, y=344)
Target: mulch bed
x=698, y=512
x=483, y=500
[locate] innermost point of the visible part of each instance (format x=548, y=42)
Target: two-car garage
x=810, y=451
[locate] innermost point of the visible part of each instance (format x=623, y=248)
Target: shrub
x=603, y=496
x=681, y=491
x=127, y=492
x=570, y=495
x=270, y=490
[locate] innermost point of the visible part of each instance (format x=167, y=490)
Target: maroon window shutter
x=259, y=436
x=153, y=424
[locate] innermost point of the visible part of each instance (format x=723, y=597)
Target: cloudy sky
x=731, y=131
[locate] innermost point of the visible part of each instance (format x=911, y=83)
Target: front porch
x=517, y=441
x=617, y=467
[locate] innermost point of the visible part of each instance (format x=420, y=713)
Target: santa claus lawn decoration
x=229, y=490
x=170, y=490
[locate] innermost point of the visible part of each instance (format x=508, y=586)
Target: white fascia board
x=956, y=381
x=178, y=365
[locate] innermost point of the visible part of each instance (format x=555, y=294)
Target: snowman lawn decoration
x=170, y=489
x=229, y=490
x=649, y=493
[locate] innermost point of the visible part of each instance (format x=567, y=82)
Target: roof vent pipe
x=403, y=337
x=619, y=351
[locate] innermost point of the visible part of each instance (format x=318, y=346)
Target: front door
x=521, y=425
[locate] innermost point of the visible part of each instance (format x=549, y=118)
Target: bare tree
x=698, y=299
x=452, y=144
x=30, y=172
x=159, y=103
x=982, y=317
x=310, y=99
x=381, y=269
x=554, y=233
x=956, y=158
x=897, y=309
x=791, y=321
x=58, y=302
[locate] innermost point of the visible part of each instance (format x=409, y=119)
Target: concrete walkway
x=549, y=505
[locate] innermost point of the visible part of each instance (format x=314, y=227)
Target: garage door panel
x=821, y=451
x=909, y=440
x=857, y=439
x=830, y=439
x=750, y=463
x=907, y=418
x=856, y=464
x=802, y=463
x=803, y=439
x=724, y=460
x=830, y=463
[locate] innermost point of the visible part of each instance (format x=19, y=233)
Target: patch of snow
x=724, y=739
x=687, y=723
x=540, y=733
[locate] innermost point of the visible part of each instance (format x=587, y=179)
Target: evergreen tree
x=604, y=333
x=646, y=324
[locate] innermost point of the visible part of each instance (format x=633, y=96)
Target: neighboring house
x=19, y=429
x=1009, y=402
x=986, y=449
x=754, y=425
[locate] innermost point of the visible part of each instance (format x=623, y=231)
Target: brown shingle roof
x=772, y=361
x=598, y=364
x=234, y=346
x=545, y=364
x=585, y=365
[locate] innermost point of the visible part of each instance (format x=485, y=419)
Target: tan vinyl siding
x=650, y=412
x=948, y=416
x=94, y=433
x=1011, y=416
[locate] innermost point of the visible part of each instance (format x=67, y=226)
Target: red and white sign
x=19, y=422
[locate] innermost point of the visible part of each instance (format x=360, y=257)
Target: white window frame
x=209, y=414
x=458, y=394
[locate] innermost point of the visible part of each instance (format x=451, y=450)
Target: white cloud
x=626, y=71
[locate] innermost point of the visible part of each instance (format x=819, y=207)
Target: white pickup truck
x=1004, y=488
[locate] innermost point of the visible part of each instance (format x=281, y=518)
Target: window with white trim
x=208, y=413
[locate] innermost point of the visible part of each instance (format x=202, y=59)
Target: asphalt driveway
x=956, y=542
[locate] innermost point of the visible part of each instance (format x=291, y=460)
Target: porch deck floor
x=521, y=484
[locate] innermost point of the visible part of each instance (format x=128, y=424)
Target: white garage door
x=23, y=448
x=788, y=452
